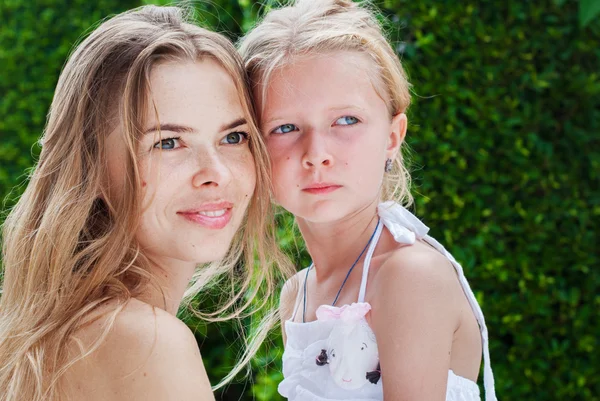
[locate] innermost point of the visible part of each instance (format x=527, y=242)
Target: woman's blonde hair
x=69, y=244
x=310, y=27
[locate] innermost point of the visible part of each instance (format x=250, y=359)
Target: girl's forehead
x=330, y=80
x=321, y=65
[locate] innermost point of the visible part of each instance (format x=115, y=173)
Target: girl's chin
x=321, y=215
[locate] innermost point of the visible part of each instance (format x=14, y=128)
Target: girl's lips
x=214, y=219
x=321, y=189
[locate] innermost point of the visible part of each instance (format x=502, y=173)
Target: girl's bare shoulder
x=417, y=267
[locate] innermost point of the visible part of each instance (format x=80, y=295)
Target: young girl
x=151, y=164
x=331, y=95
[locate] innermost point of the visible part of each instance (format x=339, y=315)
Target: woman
x=151, y=164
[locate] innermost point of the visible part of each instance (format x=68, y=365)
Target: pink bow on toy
x=347, y=313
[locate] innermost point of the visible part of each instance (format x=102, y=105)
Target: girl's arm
x=287, y=301
x=414, y=317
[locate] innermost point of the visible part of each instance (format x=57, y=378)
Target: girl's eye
x=167, y=144
x=346, y=120
x=284, y=129
x=234, y=138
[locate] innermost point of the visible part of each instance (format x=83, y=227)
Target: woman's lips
x=320, y=189
x=214, y=216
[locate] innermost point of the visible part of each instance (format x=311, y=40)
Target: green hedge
x=504, y=127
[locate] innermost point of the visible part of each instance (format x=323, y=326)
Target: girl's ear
x=397, y=133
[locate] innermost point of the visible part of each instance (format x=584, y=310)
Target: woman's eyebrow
x=170, y=127
x=185, y=129
x=234, y=124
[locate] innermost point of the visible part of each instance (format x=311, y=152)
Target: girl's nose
x=316, y=154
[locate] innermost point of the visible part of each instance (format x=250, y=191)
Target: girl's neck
x=335, y=245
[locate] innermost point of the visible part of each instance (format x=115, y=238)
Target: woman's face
x=195, y=163
x=329, y=134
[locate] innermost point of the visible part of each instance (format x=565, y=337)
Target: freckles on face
x=195, y=165
x=324, y=123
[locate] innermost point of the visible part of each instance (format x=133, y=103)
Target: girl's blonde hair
x=69, y=244
x=311, y=27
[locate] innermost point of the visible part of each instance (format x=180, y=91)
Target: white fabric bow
x=347, y=313
x=402, y=224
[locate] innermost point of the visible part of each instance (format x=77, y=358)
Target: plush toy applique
x=351, y=353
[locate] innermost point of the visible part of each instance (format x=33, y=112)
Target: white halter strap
x=367, y=263
x=488, y=376
x=406, y=228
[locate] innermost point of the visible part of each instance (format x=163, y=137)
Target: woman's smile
x=210, y=215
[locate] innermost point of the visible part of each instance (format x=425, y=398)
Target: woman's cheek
x=243, y=170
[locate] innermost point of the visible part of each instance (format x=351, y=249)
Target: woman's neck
x=335, y=245
x=173, y=278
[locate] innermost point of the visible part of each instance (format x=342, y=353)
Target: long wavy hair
x=69, y=243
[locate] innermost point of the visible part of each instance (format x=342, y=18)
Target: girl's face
x=329, y=134
x=197, y=170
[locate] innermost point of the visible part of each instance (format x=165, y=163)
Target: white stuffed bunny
x=351, y=351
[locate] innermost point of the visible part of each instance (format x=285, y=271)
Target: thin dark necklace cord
x=345, y=279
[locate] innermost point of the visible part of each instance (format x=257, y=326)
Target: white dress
x=304, y=380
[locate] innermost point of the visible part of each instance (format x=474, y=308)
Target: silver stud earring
x=388, y=165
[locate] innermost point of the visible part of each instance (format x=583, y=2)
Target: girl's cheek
x=282, y=164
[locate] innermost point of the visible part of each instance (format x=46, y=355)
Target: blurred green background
x=504, y=128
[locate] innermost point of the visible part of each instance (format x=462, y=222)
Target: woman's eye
x=346, y=120
x=234, y=138
x=167, y=144
x=284, y=129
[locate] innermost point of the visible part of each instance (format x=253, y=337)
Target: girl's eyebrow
x=348, y=106
x=185, y=129
x=270, y=120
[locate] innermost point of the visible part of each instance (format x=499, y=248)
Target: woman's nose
x=212, y=170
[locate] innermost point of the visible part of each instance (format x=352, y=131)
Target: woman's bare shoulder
x=145, y=353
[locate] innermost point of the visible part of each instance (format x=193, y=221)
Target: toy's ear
x=327, y=312
x=355, y=312
x=322, y=358
x=375, y=375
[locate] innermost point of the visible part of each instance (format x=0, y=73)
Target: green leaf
x=588, y=10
